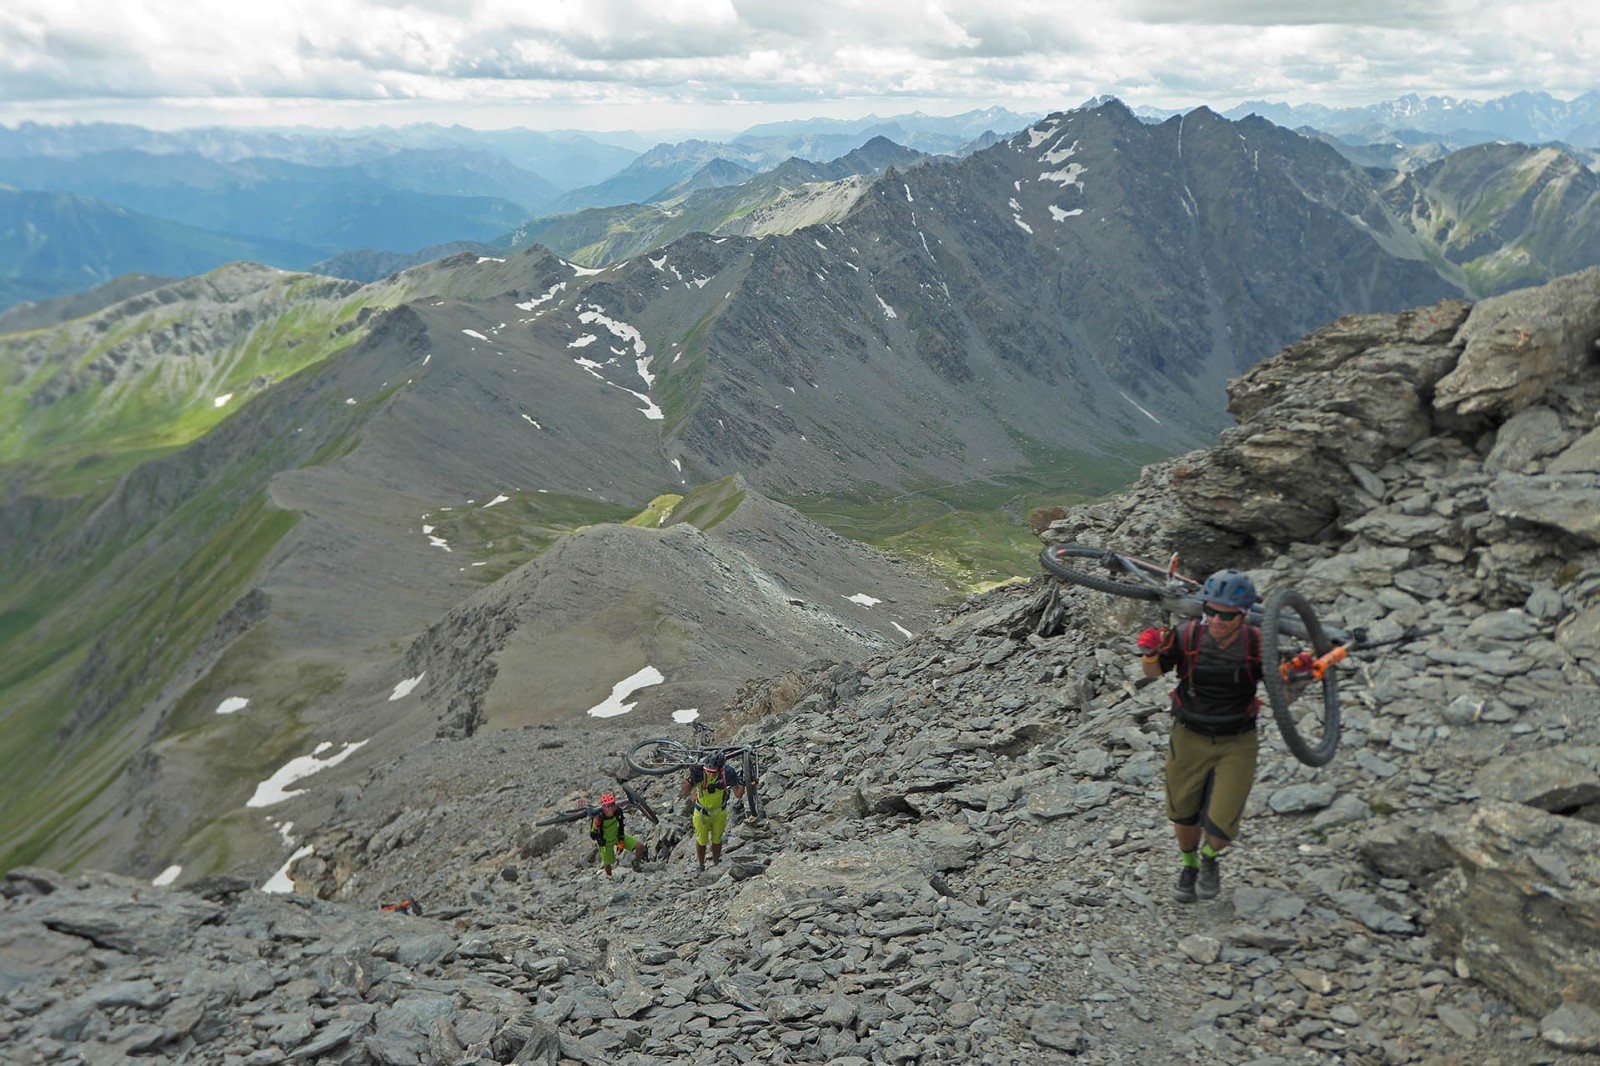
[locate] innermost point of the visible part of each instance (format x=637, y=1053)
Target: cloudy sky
x=727, y=64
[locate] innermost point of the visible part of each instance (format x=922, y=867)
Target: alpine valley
x=266, y=485
x=500, y=514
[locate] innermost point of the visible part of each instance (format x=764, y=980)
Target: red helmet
x=608, y=800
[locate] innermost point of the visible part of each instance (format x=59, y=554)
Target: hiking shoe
x=1183, y=891
x=1209, y=883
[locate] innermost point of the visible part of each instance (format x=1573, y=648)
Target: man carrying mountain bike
x=1211, y=756
x=610, y=834
x=710, y=783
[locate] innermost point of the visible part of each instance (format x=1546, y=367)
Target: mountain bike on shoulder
x=631, y=800
x=659, y=756
x=1284, y=617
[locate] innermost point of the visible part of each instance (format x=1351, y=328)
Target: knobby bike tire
x=636, y=800
x=1283, y=607
x=1059, y=559
x=658, y=756
x=752, y=793
x=564, y=817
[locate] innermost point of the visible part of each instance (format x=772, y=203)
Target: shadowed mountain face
x=276, y=486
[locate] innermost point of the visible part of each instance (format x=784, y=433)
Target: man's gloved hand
x=1152, y=640
x=1304, y=661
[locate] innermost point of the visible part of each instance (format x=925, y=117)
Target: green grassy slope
x=975, y=533
x=141, y=518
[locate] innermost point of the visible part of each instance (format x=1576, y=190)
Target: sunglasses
x=1221, y=616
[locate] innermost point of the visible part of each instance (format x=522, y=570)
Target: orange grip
x=1321, y=666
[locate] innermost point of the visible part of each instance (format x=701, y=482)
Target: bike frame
x=1179, y=596
x=1284, y=612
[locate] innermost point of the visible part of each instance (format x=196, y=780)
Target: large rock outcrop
x=1464, y=434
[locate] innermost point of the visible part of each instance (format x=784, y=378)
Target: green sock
x=1190, y=858
x=1208, y=851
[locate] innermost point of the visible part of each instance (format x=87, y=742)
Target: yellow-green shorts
x=1209, y=779
x=708, y=826
x=608, y=852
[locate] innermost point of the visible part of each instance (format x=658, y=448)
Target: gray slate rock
x=1301, y=799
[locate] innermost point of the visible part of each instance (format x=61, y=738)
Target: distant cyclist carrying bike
x=709, y=784
x=610, y=835
x=1211, y=756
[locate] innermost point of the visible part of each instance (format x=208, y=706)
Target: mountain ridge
x=419, y=161
x=1053, y=311
x=732, y=201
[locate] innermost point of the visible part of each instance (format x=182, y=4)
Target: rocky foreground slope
x=965, y=858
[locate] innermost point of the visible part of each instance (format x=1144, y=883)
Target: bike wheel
x=1146, y=583
x=752, y=794
x=658, y=756
x=636, y=800
x=1308, y=719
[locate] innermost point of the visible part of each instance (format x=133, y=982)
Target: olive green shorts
x=1209, y=779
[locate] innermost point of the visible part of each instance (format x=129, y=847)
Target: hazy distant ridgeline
x=297, y=196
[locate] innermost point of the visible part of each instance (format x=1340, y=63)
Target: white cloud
x=735, y=62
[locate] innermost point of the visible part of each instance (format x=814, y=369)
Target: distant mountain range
x=1505, y=214
x=653, y=175
x=1524, y=117
x=52, y=243
x=409, y=199
x=378, y=195
x=563, y=160
x=720, y=198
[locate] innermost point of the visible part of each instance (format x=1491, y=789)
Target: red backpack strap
x=1189, y=642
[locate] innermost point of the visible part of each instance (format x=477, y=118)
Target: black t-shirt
x=1219, y=694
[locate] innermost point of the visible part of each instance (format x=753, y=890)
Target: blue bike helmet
x=1232, y=587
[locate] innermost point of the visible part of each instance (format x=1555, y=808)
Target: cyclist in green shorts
x=1211, y=754
x=611, y=836
x=710, y=784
